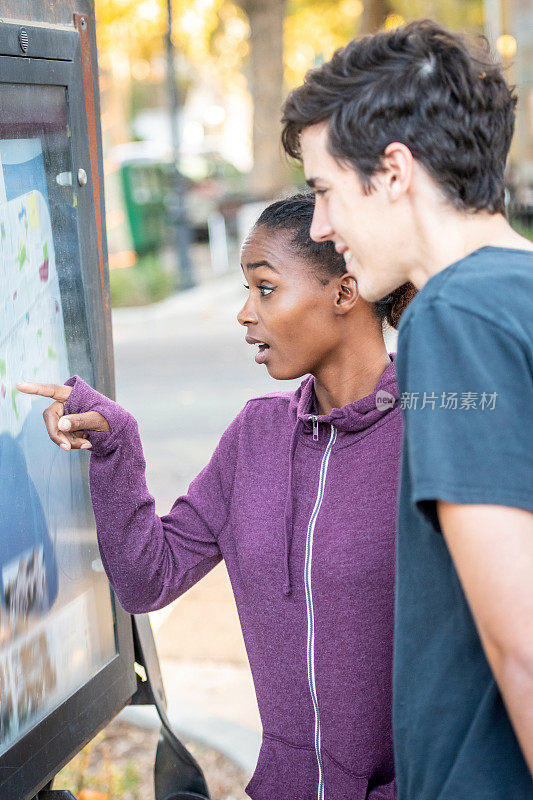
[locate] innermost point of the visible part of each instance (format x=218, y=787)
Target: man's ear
x=397, y=163
x=346, y=294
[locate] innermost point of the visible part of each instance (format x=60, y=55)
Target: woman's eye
x=264, y=291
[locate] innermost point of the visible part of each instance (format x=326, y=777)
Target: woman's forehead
x=272, y=244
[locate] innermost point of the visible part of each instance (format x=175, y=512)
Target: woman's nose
x=246, y=315
x=321, y=229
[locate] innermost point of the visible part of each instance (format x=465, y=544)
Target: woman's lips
x=262, y=355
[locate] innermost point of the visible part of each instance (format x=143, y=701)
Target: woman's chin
x=284, y=373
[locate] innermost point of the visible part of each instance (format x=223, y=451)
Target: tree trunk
x=270, y=172
x=374, y=15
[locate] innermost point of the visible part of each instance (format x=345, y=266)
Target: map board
x=56, y=619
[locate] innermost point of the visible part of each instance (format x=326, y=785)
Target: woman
x=298, y=498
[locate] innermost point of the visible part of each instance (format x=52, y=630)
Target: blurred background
x=191, y=155
x=207, y=99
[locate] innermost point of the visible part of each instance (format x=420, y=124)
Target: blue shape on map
x=23, y=167
x=22, y=515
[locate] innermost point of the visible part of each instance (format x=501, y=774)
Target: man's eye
x=246, y=286
x=265, y=290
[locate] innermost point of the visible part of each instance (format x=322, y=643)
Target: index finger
x=52, y=390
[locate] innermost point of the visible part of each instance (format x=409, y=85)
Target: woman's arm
x=149, y=560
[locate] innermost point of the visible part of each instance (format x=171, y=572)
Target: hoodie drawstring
x=289, y=510
x=353, y=418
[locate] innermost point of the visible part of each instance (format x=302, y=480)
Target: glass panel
x=57, y=626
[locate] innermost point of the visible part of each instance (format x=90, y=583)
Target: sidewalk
x=211, y=702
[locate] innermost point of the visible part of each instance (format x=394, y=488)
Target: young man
x=404, y=138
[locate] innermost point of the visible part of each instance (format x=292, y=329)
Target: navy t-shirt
x=465, y=375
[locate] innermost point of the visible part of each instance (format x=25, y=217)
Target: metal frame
x=53, y=58
x=67, y=72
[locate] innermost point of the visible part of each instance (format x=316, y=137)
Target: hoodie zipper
x=309, y=600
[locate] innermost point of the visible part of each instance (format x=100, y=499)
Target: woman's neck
x=352, y=373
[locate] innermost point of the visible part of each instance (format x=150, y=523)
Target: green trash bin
x=145, y=187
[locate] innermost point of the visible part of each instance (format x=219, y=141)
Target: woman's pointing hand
x=66, y=431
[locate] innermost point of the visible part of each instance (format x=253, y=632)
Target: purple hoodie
x=302, y=508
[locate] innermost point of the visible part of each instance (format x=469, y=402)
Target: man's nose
x=321, y=229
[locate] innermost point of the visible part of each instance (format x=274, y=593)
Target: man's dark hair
x=420, y=85
x=294, y=215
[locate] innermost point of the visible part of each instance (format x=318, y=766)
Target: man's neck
x=454, y=235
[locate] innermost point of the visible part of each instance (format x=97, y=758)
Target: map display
x=30, y=301
x=56, y=618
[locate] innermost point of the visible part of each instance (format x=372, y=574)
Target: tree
x=272, y=42
x=270, y=172
x=374, y=15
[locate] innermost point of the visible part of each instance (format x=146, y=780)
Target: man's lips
x=345, y=251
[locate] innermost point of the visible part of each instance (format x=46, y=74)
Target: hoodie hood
x=353, y=418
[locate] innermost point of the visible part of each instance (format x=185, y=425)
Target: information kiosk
x=67, y=648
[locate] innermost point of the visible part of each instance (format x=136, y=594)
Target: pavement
x=184, y=371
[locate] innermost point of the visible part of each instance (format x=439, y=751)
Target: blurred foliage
x=314, y=29
x=461, y=15
x=105, y=777
x=523, y=228
x=146, y=282
x=215, y=33
x=208, y=32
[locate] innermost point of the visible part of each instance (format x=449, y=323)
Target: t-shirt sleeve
x=467, y=401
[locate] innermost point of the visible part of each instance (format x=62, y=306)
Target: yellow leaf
x=91, y=794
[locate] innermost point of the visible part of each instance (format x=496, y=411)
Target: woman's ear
x=347, y=294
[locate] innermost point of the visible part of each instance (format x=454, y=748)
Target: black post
x=177, y=207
